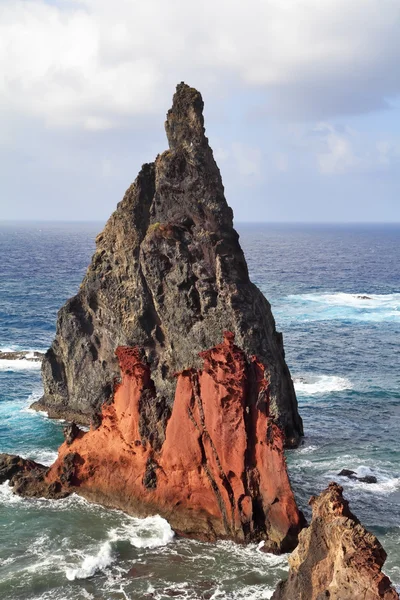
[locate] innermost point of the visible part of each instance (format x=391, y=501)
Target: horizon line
x=236, y=222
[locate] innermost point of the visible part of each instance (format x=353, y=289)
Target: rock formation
x=169, y=276
x=353, y=475
x=21, y=355
x=214, y=468
x=337, y=558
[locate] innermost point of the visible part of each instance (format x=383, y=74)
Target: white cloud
x=340, y=150
x=337, y=153
x=95, y=63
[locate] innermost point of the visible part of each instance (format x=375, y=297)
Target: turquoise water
x=344, y=356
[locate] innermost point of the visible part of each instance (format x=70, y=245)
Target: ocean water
x=343, y=352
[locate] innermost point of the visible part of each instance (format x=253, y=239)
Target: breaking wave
x=320, y=384
x=22, y=364
x=386, y=483
x=342, y=306
x=91, y=564
x=150, y=532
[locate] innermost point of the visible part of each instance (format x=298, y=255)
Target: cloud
x=93, y=64
x=341, y=150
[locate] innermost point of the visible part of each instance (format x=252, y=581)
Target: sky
x=302, y=103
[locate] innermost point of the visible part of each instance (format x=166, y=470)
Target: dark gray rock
x=168, y=275
x=22, y=355
x=352, y=475
x=27, y=478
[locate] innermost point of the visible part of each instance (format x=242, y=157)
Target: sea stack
x=337, y=558
x=168, y=276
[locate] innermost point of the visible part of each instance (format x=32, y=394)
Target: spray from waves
x=41, y=455
x=7, y=496
x=342, y=306
x=22, y=364
x=92, y=564
x=312, y=385
x=150, y=532
x=386, y=483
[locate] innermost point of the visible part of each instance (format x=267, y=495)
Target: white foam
x=150, y=532
x=358, y=307
x=41, y=455
x=20, y=365
x=250, y=592
x=7, y=496
x=320, y=384
x=92, y=564
x=386, y=483
x=307, y=449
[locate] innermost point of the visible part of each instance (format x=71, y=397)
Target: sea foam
x=342, y=306
x=20, y=365
x=150, y=532
x=320, y=384
x=91, y=564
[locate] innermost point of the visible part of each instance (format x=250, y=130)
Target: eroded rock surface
x=337, y=558
x=214, y=469
x=169, y=276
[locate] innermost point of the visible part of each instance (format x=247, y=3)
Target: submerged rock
x=169, y=276
x=214, y=469
x=353, y=475
x=337, y=558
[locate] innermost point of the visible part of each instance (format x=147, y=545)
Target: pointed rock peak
x=185, y=122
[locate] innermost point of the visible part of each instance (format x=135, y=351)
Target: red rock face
x=217, y=470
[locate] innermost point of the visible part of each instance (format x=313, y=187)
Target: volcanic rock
x=337, y=558
x=27, y=478
x=216, y=470
x=169, y=276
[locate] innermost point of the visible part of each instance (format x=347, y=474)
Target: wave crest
x=320, y=384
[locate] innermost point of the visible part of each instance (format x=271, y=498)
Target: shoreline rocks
x=22, y=355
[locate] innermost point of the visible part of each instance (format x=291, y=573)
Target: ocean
x=335, y=294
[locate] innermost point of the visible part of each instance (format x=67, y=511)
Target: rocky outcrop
x=21, y=355
x=169, y=276
x=28, y=478
x=353, y=475
x=337, y=558
x=214, y=467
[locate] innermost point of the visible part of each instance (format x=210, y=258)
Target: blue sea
x=335, y=294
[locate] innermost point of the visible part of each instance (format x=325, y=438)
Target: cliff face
x=168, y=275
x=337, y=558
x=215, y=468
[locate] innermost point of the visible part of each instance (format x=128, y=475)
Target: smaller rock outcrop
x=28, y=478
x=353, y=475
x=337, y=558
